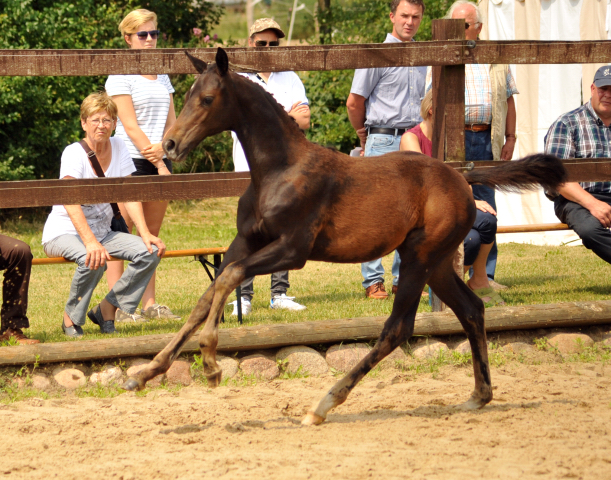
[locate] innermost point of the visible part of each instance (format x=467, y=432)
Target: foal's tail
x=526, y=174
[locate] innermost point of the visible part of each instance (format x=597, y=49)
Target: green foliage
x=39, y=116
x=328, y=91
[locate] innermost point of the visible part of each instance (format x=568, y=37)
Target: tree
x=342, y=22
x=39, y=116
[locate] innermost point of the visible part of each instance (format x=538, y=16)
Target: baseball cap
x=603, y=76
x=266, y=24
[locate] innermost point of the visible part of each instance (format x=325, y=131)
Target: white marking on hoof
x=472, y=404
x=312, y=419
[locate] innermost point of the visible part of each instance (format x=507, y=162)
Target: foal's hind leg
x=470, y=311
x=397, y=329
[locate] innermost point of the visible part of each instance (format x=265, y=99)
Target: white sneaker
x=282, y=301
x=246, y=307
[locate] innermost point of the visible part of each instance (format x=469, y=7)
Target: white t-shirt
x=151, y=99
x=287, y=89
x=76, y=164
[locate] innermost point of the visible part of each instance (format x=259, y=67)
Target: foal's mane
x=256, y=92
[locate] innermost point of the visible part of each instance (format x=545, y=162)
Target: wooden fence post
x=449, y=118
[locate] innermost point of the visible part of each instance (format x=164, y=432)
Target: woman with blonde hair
x=146, y=113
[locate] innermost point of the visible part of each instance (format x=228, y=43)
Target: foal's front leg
x=275, y=257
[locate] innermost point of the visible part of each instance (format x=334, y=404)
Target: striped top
x=151, y=99
x=580, y=134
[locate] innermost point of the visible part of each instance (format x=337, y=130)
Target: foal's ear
x=222, y=61
x=199, y=65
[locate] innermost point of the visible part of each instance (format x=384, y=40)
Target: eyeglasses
x=467, y=25
x=263, y=43
x=107, y=122
x=143, y=35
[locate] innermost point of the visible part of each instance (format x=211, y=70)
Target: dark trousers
x=280, y=284
x=478, y=146
x=16, y=261
x=482, y=233
x=592, y=233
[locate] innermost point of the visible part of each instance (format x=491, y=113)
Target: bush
x=39, y=116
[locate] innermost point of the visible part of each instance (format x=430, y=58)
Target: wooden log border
x=16, y=62
x=568, y=314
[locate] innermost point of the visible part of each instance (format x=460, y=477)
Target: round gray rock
x=429, y=349
x=568, y=343
x=69, y=378
x=107, y=376
x=260, y=366
x=344, y=357
x=306, y=358
x=397, y=356
x=229, y=366
x=463, y=347
x=40, y=382
x=179, y=373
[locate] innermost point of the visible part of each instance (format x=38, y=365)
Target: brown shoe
x=376, y=291
x=18, y=335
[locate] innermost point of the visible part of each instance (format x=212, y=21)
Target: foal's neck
x=265, y=131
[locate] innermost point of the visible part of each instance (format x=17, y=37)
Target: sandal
x=489, y=296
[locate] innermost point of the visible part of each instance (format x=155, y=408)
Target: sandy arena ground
x=547, y=421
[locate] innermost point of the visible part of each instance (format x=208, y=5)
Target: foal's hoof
x=312, y=419
x=132, y=385
x=214, y=379
x=474, y=403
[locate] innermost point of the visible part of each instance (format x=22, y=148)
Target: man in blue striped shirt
x=586, y=133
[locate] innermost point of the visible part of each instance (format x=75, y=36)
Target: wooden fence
x=448, y=55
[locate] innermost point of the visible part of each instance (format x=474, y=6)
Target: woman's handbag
x=117, y=224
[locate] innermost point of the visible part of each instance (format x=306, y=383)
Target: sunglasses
x=467, y=25
x=144, y=34
x=263, y=43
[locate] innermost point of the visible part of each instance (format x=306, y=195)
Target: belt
x=388, y=131
x=478, y=127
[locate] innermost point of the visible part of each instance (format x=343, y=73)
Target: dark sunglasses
x=263, y=43
x=467, y=25
x=144, y=34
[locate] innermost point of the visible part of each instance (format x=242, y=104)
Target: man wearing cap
x=585, y=133
x=288, y=90
x=382, y=105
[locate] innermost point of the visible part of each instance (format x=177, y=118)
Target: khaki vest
x=498, y=82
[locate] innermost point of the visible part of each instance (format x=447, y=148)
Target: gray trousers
x=127, y=292
x=280, y=284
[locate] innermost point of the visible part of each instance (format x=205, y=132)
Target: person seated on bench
x=16, y=261
x=480, y=239
x=584, y=133
x=82, y=233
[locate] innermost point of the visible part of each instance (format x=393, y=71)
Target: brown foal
x=306, y=202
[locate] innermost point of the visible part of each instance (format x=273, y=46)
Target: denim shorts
x=144, y=167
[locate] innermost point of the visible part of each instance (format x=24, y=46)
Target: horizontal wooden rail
x=312, y=57
x=569, y=314
x=540, y=227
x=194, y=252
x=190, y=186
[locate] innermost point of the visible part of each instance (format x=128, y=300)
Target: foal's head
x=207, y=110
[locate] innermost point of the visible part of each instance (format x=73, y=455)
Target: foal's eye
x=207, y=100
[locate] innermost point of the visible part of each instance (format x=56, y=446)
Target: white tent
x=546, y=91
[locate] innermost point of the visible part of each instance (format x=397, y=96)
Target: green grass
x=537, y=275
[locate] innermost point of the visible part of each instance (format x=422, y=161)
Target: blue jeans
x=478, y=146
x=127, y=292
x=373, y=272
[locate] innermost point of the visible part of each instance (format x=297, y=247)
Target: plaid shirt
x=580, y=134
x=478, y=93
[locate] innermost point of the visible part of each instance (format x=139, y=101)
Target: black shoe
x=74, y=331
x=106, y=326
